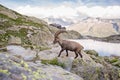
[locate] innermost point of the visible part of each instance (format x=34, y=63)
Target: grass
x=92, y=52
x=19, y=21
x=53, y=62
x=22, y=33
x=7, y=22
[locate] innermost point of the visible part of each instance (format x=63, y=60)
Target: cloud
x=43, y=12
x=99, y=11
x=68, y=12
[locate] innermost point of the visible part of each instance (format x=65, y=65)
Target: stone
x=19, y=51
x=67, y=61
x=14, y=40
x=16, y=77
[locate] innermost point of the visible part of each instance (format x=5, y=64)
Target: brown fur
x=67, y=45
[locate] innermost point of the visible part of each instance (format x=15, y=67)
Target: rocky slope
x=97, y=27
x=14, y=67
x=45, y=65
x=26, y=31
x=91, y=67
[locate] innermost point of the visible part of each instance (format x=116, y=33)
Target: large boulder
x=14, y=68
x=94, y=67
x=26, y=54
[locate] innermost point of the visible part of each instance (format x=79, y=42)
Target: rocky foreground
x=18, y=63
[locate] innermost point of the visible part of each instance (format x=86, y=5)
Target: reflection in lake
x=103, y=48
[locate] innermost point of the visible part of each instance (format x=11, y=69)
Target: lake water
x=103, y=48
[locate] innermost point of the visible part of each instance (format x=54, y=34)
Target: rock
x=48, y=54
x=54, y=72
x=2, y=32
x=67, y=61
x=17, y=59
x=31, y=71
x=56, y=25
x=26, y=54
x=16, y=77
x=14, y=40
x=94, y=68
x=71, y=34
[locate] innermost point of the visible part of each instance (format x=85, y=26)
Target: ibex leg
x=76, y=55
x=80, y=54
x=66, y=52
x=60, y=52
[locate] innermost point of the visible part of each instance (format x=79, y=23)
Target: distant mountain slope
x=97, y=27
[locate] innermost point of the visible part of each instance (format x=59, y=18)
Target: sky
x=66, y=9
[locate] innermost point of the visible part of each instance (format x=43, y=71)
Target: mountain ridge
x=97, y=27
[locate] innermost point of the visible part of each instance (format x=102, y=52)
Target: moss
x=24, y=64
x=13, y=33
x=7, y=21
x=53, y=62
x=23, y=31
x=17, y=64
x=24, y=76
x=4, y=71
x=36, y=74
x=4, y=39
x=23, y=36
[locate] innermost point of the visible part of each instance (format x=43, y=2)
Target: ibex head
x=56, y=36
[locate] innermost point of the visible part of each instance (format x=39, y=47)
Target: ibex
x=67, y=45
